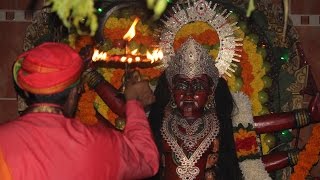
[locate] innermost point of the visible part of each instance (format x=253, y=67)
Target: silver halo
x=201, y=10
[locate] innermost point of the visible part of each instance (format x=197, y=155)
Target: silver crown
x=201, y=10
x=192, y=60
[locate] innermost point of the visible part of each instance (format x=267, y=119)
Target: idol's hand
x=314, y=108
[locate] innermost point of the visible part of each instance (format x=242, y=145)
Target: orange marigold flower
x=309, y=156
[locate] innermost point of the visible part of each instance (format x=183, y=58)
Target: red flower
x=246, y=144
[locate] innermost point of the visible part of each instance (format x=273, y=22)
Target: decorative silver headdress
x=201, y=10
x=192, y=60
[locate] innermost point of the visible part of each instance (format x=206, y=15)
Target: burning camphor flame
x=99, y=55
x=132, y=56
x=156, y=55
x=132, y=31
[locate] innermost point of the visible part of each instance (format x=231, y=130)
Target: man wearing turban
x=45, y=143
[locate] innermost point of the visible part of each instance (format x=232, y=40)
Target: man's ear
x=71, y=104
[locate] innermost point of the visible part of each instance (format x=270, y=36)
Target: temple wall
x=13, y=23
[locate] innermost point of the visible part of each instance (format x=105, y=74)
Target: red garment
x=44, y=146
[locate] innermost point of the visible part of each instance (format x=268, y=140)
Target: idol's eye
x=181, y=86
x=198, y=86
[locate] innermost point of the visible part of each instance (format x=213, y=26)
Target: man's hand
x=91, y=77
x=138, y=90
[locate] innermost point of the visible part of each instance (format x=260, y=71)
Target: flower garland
x=86, y=112
x=100, y=106
x=80, y=42
x=256, y=61
x=246, y=74
x=204, y=34
x=251, y=82
x=124, y=23
x=246, y=140
x=309, y=156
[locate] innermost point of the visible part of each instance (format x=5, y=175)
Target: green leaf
x=72, y=13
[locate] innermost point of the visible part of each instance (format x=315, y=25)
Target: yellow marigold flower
x=231, y=82
x=256, y=105
x=116, y=51
x=239, y=33
x=103, y=109
x=112, y=23
x=214, y=53
x=189, y=29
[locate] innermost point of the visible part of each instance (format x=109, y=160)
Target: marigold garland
x=82, y=41
x=309, y=156
x=246, y=74
x=189, y=29
x=100, y=106
x=207, y=37
x=251, y=63
x=124, y=23
x=256, y=61
x=116, y=81
x=232, y=83
x=86, y=112
x=204, y=34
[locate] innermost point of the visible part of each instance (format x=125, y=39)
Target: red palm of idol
x=191, y=94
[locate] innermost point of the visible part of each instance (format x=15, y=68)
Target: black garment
x=228, y=167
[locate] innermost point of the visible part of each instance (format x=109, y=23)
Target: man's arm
x=133, y=153
x=108, y=93
x=140, y=155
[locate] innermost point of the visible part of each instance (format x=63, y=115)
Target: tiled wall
x=13, y=23
x=308, y=12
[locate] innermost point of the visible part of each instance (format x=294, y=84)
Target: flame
x=149, y=56
x=156, y=55
x=99, y=55
x=123, y=59
x=132, y=56
x=132, y=31
x=138, y=59
x=134, y=52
